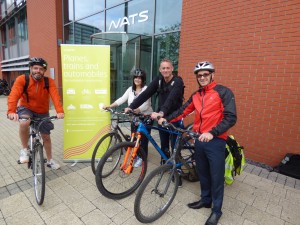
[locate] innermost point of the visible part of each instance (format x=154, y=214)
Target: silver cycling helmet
x=205, y=65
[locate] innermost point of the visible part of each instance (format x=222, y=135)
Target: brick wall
x=44, y=31
x=255, y=46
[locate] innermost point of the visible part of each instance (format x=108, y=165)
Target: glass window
x=22, y=26
x=115, y=19
x=110, y=3
x=168, y=15
x=11, y=32
x=166, y=46
x=140, y=17
x=3, y=13
x=69, y=34
x=68, y=11
x=87, y=8
x=88, y=26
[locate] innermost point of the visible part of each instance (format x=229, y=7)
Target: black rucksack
x=289, y=166
x=46, y=79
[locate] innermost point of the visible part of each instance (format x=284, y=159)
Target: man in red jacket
x=34, y=103
x=215, y=113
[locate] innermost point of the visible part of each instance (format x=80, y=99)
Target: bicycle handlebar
x=38, y=119
x=190, y=133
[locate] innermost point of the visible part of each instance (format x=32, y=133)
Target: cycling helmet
x=138, y=73
x=204, y=66
x=38, y=61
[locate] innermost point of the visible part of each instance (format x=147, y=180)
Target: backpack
x=234, y=159
x=289, y=166
x=46, y=80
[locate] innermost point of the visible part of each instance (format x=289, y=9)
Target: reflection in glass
x=115, y=19
x=69, y=34
x=86, y=8
x=140, y=17
x=68, y=11
x=110, y=3
x=166, y=46
x=168, y=19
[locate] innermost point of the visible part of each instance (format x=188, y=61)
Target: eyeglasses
x=203, y=75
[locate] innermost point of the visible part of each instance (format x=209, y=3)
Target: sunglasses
x=203, y=75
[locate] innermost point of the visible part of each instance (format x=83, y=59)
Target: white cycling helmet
x=204, y=66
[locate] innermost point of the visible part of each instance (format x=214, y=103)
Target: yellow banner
x=86, y=88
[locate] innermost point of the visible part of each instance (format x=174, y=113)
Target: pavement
x=257, y=196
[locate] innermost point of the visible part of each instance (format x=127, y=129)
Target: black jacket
x=170, y=95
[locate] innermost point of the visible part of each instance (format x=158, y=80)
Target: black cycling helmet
x=204, y=66
x=38, y=61
x=138, y=73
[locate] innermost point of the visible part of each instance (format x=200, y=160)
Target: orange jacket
x=39, y=96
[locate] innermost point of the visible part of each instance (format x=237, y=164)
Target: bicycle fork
x=167, y=185
x=131, y=154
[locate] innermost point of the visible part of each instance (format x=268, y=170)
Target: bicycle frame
x=142, y=129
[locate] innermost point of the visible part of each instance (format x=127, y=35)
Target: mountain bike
x=115, y=136
x=159, y=188
x=36, y=156
x=116, y=177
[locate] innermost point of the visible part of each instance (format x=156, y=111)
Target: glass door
x=125, y=55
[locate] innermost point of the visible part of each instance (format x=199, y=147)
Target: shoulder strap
x=26, y=86
x=46, y=79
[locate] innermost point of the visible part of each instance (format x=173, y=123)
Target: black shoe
x=179, y=181
x=213, y=219
x=198, y=205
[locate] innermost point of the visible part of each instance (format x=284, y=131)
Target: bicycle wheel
x=38, y=168
x=156, y=194
x=111, y=180
x=106, y=142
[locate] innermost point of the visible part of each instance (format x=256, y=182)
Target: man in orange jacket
x=34, y=103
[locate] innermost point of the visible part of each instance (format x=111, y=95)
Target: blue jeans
x=210, y=163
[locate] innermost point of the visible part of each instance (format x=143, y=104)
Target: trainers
x=53, y=165
x=24, y=158
x=138, y=162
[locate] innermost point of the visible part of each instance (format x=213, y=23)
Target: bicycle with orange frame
x=116, y=176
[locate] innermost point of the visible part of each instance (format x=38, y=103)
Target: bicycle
x=116, y=178
x=36, y=156
x=115, y=136
x=161, y=185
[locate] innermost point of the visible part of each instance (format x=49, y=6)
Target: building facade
x=254, y=46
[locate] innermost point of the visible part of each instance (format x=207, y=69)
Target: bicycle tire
x=38, y=168
x=144, y=205
x=107, y=141
x=114, y=183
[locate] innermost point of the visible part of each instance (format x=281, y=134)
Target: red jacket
x=39, y=96
x=214, y=108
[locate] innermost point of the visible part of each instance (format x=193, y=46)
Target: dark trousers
x=210, y=163
x=165, y=139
